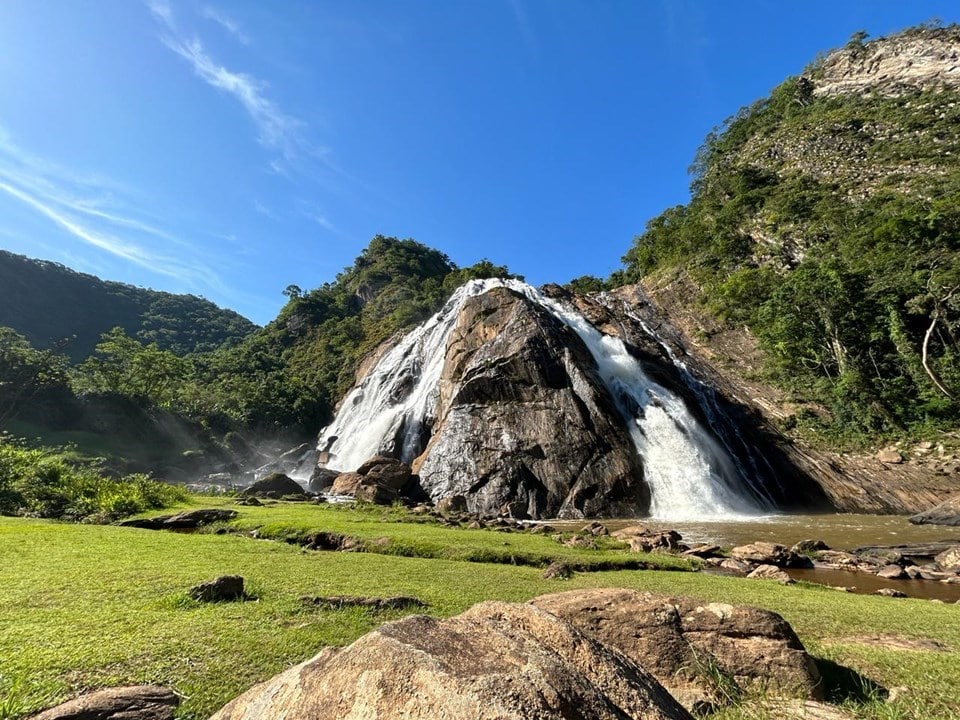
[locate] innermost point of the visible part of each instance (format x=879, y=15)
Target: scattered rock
x=771, y=572
x=768, y=553
x=642, y=539
x=890, y=456
x=222, y=589
x=385, y=471
x=892, y=572
x=248, y=501
x=374, y=492
x=138, y=702
x=399, y=602
x=808, y=547
x=837, y=558
x=595, y=528
x=703, y=550
x=675, y=639
x=452, y=504
x=321, y=479
x=558, y=570
x=949, y=560
x=496, y=661
x=890, y=592
x=346, y=483
x=275, y=486
x=946, y=513
x=586, y=542
x=738, y=567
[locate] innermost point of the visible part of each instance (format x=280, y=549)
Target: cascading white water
x=396, y=400
x=689, y=474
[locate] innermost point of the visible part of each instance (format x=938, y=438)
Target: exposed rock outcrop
x=138, y=702
x=918, y=59
x=497, y=661
x=678, y=639
x=522, y=419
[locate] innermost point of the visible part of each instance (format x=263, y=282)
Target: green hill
x=825, y=219
x=49, y=303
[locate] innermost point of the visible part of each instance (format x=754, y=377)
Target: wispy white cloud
x=276, y=129
x=93, y=210
x=226, y=22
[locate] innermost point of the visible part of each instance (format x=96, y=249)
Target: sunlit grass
x=92, y=606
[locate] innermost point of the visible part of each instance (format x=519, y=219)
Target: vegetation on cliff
x=829, y=224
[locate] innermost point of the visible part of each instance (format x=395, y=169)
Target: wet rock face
x=523, y=421
x=497, y=660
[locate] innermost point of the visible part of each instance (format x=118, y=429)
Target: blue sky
x=230, y=148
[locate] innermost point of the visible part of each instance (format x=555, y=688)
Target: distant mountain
x=48, y=303
x=819, y=255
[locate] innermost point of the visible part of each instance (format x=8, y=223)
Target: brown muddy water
x=839, y=531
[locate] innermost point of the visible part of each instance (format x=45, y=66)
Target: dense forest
x=829, y=225
x=52, y=305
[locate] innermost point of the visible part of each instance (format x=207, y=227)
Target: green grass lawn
x=84, y=606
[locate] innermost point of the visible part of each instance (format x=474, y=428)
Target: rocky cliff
x=550, y=404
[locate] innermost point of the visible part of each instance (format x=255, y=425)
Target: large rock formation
x=691, y=646
x=917, y=59
x=497, y=661
x=588, y=654
x=522, y=419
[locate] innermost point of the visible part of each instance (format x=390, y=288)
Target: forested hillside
x=292, y=372
x=826, y=220
x=179, y=412
x=50, y=304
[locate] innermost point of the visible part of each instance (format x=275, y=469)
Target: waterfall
x=690, y=475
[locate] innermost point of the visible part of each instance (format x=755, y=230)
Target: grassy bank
x=91, y=606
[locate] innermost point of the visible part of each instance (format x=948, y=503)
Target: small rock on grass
x=558, y=570
x=890, y=592
x=222, y=589
x=771, y=572
x=138, y=702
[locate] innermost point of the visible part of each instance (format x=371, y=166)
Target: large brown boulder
x=496, y=661
x=138, y=702
x=346, y=483
x=523, y=420
x=680, y=641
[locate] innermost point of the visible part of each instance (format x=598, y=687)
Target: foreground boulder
x=496, y=661
x=679, y=641
x=276, y=486
x=946, y=513
x=139, y=702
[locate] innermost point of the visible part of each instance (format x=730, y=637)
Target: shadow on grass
x=845, y=685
